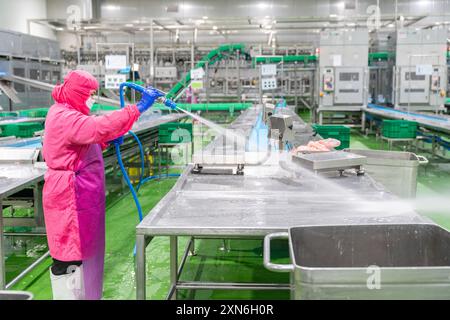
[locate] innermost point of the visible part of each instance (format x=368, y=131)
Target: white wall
x=14, y=15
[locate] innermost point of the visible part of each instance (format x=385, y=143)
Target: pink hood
x=75, y=90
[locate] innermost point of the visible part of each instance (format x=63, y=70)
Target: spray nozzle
x=166, y=101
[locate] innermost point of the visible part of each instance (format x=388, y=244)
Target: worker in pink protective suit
x=74, y=189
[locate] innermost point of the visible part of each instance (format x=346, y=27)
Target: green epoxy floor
x=243, y=262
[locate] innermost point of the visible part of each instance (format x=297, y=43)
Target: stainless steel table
x=270, y=197
x=14, y=178
x=254, y=205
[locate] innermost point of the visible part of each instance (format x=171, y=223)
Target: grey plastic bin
x=391, y=261
x=395, y=170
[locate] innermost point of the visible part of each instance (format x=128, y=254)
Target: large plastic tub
x=395, y=170
x=385, y=261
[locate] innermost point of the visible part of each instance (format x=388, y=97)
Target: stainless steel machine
x=343, y=71
x=281, y=129
x=28, y=57
x=421, y=69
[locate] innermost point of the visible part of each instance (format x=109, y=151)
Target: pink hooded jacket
x=74, y=189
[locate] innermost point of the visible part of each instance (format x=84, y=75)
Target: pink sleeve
x=83, y=129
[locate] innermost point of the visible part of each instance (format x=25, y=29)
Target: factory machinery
x=28, y=57
x=421, y=72
x=231, y=72
x=343, y=74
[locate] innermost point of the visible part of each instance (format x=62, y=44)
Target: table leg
x=140, y=267
x=2, y=252
x=363, y=122
x=159, y=162
x=173, y=266
x=192, y=247
x=38, y=209
x=167, y=161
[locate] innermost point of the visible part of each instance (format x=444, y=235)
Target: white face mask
x=90, y=103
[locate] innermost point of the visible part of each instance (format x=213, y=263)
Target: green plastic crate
x=399, y=129
x=21, y=130
x=34, y=113
x=103, y=107
x=341, y=133
x=166, y=130
x=4, y=114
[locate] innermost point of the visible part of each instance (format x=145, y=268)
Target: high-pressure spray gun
x=167, y=102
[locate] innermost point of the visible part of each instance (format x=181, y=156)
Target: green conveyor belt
x=286, y=59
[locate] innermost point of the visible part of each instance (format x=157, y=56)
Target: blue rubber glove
x=149, y=97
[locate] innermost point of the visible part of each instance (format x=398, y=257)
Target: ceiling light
x=129, y=25
x=90, y=27
x=111, y=7
x=141, y=29
x=390, y=25
x=185, y=6
x=333, y=15
x=59, y=29
x=263, y=5
x=204, y=17
x=214, y=27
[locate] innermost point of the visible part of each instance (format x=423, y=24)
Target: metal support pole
x=207, y=82
x=152, y=54
x=239, y=77
x=174, y=265
x=140, y=267
x=260, y=86
x=192, y=51
x=38, y=208
x=159, y=162
x=2, y=251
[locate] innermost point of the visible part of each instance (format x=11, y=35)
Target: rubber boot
x=68, y=286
